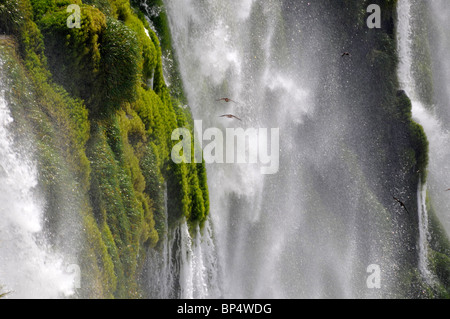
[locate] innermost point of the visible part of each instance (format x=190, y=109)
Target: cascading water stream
x=183, y=265
x=404, y=34
x=424, y=234
x=28, y=266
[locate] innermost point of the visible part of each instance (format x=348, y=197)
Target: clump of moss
x=74, y=54
x=418, y=142
x=119, y=72
x=100, y=62
x=40, y=7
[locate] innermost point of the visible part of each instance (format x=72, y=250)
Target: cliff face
x=381, y=144
x=389, y=148
x=94, y=103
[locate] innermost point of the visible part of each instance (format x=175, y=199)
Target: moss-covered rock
x=101, y=117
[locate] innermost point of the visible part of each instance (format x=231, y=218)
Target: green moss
x=154, y=188
x=103, y=5
x=102, y=132
x=440, y=265
x=100, y=62
x=160, y=22
x=418, y=142
x=119, y=73
x=98, y=272
x=439, y=238
x=147, y=47
x=74, y=54
x=420, y=146
x=11, y=16
x=412, y=286
x=439, y=256
x=41, y=7
x=163, y=41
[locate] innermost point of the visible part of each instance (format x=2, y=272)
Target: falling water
x=161, y=268
x=404, y=32
x=183, y=265
x=424, y=234
x=438, y=136
x=437, y=122
x=198, y=266
x=28, y=266
x=275, y=235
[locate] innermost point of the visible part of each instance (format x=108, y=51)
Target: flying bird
x=230, y=116
x=345, y=54
x=401, y=204
x=448, y=190
x=226, y=100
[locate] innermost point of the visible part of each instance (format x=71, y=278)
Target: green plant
x=11, y=16
x=3, y=294
x=119, y=73
x=102, y=134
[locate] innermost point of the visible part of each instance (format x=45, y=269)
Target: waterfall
x=183, y=265
x=198, y=265
x=437, y=122
x=424, y=234
x=29, y=268
x=438, y=136
x=280, y=235
x=160, y=264
x=312, y=229
x=404, y=32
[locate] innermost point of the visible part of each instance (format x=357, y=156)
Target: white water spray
x=274, y=239
x=28, y=266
